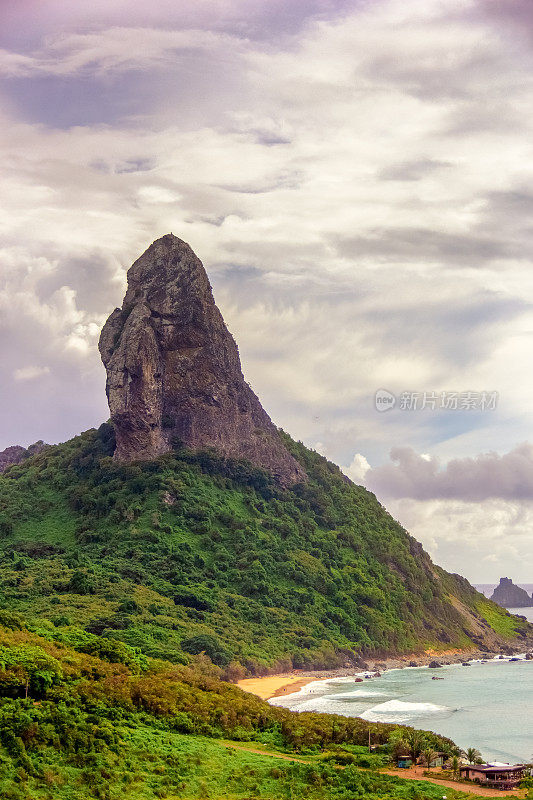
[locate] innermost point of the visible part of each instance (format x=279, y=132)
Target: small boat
x=436, y=678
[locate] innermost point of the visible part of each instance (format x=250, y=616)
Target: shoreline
x=269, y=686
x=292, y=696
x=275, y=685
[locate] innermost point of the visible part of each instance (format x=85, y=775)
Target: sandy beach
x=275, y=685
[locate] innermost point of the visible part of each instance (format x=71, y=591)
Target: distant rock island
x=508, y=595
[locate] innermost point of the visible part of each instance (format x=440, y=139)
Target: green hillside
x=84, y=717
x=191, y=553
x=129, y=591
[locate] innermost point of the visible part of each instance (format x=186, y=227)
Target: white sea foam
x=316, y=696
x=399, y=711
x=296, y=703
x=315, y=688
x=318, y=688
x=358, y=693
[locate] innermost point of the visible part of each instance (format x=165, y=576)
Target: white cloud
x=474, y=479
x=29, y=373
x=158, y=194
x=15, y=64
x=359, y=190
x=358, y=468
x=480, y=540
x=112, y=49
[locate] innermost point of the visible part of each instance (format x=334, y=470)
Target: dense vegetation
x=191, y=554
x=83, y=717
x=129, y=591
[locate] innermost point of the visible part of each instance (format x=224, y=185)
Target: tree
x=429, y=755
x=234, y=672
x=416, y=742
x=27, y=669
x=473, y=756
x=205, y=643
x=80, y=583
x=398, y=743
x=455, y=767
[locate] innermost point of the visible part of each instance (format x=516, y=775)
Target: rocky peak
x=174, y=372
x=508, y=595
x=15, y=454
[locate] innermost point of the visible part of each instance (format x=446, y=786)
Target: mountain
x=174, y=373
x=508, y=595
x=190, y=541
x=193, y=551
x=15, y=454
x=191, y=524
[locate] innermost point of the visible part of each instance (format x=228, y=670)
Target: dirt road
x=410, y=774
x=415, y=774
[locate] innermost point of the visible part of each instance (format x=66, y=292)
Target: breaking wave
x=315, y=697
x=357, y=695
x=399, y=711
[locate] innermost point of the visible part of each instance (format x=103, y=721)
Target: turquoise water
x=488, y=706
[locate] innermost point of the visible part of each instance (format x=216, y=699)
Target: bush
x=208, y=645
x=80, y=583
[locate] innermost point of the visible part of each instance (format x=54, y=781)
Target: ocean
x=488, y=706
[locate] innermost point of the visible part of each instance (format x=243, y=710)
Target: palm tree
x=473, y=756
x=397, y=743
x=455, y=767
x=429, y=755
x=416, y=742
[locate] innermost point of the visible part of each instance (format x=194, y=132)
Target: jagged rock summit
x=15, y=454
x=174, y=372
x=508, y=595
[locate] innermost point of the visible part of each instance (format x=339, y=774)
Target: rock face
x=16, y=454
x=508, y=595
x=11, y=455
x=174, y=373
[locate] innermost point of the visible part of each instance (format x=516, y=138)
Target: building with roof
x=495, y=775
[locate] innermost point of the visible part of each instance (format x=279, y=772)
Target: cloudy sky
x=356, y=176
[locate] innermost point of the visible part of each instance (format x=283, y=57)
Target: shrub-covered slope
x=190, y=553
x=84, y=717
